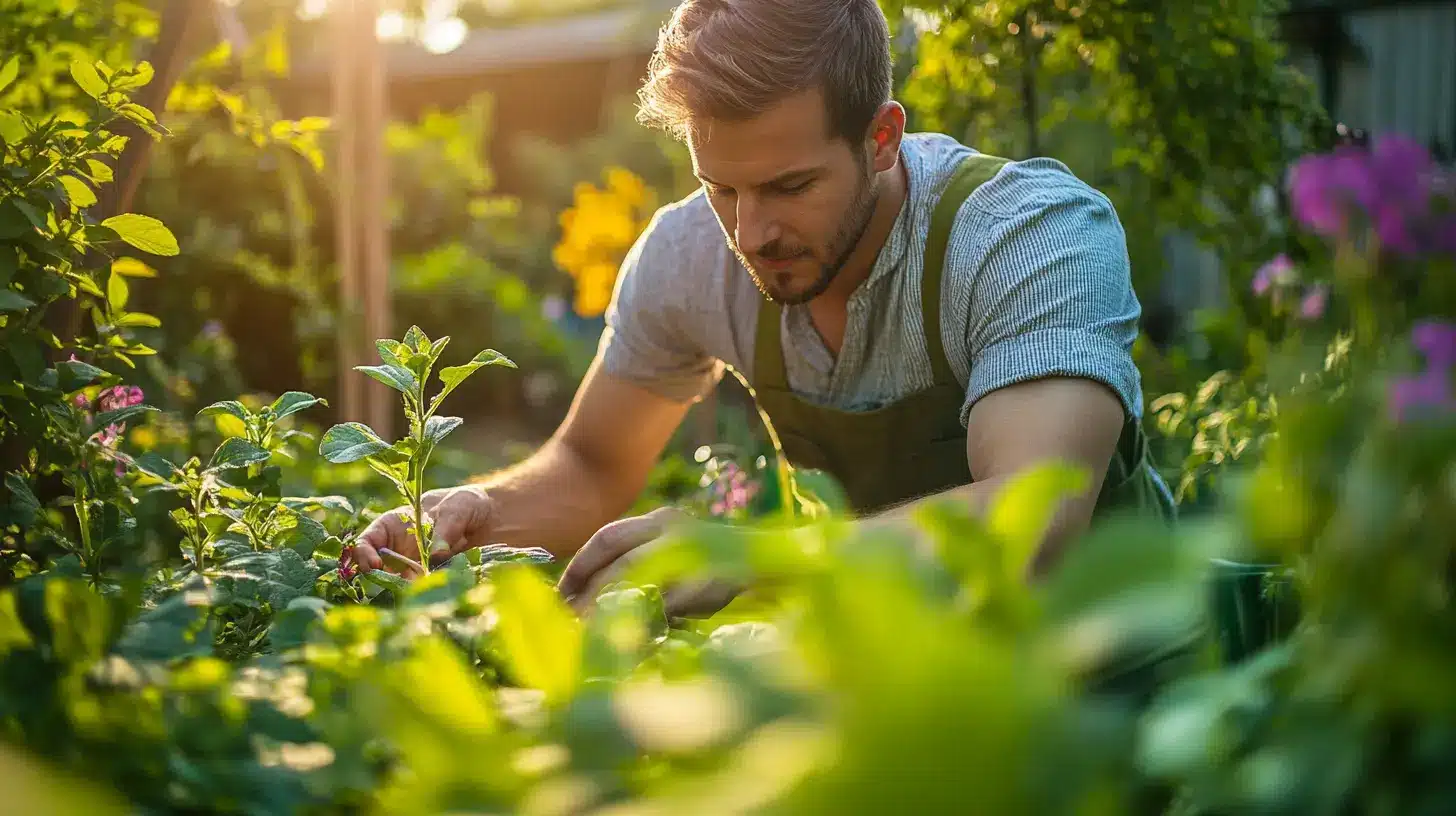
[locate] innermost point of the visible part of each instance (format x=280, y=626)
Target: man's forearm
x=555, y=500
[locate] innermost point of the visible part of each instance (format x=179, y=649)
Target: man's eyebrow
x=784, y=179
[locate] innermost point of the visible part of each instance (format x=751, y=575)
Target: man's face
x=793, y=200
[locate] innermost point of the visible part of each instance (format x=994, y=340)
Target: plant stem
x=83, y=518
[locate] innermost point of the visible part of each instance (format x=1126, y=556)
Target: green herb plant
x=406, y=367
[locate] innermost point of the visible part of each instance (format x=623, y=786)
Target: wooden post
x=362, y=237
x=381, y=401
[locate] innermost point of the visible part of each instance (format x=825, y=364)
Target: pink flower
x=1312, y=306
x=348, y=566
x=1278, y=271
x=81, y=401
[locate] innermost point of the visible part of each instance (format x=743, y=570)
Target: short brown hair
x=735, y=59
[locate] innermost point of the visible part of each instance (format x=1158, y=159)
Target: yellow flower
x=597, y=231
x=144, y=438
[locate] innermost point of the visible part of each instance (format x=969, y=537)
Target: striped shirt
x=1036, y=283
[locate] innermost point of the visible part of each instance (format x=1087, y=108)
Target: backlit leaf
x=85, y=75
x=117, y=292
x=539, y=635
x=452, y=376
x=78, y=192
x=143, y=232
x=138, y=320
x=9, y=72
x=132, y=268
x=1023, y=510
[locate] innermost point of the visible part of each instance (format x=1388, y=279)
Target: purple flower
x=1437, y=341
x=212, y=329
x=82, y=401
x=1278, y=271
x=1428, y=391
x=1312, y=306
x=1392, y=187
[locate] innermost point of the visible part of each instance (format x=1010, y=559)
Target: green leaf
x=13, y=301
x=337, y=504
x=22, y=500
x=120, y=415
x=137, y=320
x=452, y=376
x=132, y=268
x=117, y=292
x=351, y=442
x=143, y=232
x=85, y=75
x=76, y=374
x=100, y=171
x=87, y=284
x=416, y=340
x=237, y=452
x=392, y=352
x=154, y=464
x=13, y=222
x=1023, y=510
x=439, y=427
x=78, y=192
x=31, y=213
x=138, y=77
x=539, y=635
x=12, y=126
x=294, y=401
x=396, y=377
x=180, y=626
x=228, y=407
x=9, y=72
x=9, y=265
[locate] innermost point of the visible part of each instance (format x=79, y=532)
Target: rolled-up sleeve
x=647, y=340
x=1052, y=295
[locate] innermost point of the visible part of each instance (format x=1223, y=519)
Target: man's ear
x=886, y=131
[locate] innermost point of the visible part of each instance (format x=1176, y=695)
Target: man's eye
x=795, y=189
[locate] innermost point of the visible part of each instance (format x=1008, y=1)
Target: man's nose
x=756, y=228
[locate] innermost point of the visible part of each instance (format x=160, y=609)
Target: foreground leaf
x=397, y=377
x=539, y=635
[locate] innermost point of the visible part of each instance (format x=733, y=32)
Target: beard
x=851, y=228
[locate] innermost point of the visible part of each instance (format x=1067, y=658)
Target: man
x=910, y=359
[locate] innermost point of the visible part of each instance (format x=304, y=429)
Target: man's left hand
x=615, y=548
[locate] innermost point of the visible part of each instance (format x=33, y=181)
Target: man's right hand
x=461, y=517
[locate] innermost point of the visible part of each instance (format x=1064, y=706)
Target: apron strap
x=975, y=170
x=768, y=352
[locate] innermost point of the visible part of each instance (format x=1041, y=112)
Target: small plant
x=236, y=494
x=406, y=367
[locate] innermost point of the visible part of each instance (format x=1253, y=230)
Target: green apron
x=916, y=446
